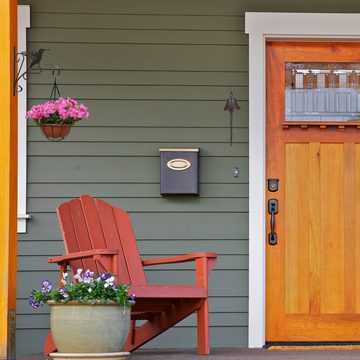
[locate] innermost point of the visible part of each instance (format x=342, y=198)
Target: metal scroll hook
x=55, y=92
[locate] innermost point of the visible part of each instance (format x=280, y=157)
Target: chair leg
x=203, y=329
x=161, y=321
x=132, y=331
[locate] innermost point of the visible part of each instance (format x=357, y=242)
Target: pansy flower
x=78, y=276
x=46, y=286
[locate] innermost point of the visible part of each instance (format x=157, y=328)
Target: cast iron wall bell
x=231, y=105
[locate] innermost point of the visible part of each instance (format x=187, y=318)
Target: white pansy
x=110, y=280
x=64, y=277
x=78, y=275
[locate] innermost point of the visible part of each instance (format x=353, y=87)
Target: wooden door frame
x=263, y=27
x=8, y=178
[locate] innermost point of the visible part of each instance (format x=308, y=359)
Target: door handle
x=273, y=209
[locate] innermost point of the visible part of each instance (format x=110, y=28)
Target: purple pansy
x=105, y=275
x=46, y=286
x=88, y=277
x=63, y=292
x=34, y=303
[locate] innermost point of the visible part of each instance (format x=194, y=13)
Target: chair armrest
x=205, y=262
x=178, y=259
x=82, y=255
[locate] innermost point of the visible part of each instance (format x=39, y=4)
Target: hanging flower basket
x=55, y=132
x=56, y=117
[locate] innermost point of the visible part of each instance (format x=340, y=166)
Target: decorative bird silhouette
x=231, y=106
x=36, y=57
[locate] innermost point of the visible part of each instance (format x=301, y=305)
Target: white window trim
x=23, y=24
x=262, y=27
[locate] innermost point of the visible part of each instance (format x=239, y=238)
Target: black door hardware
x=273, y=209
x=273, y=185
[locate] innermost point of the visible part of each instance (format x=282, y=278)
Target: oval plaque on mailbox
x=178, y=164
x=179, y=171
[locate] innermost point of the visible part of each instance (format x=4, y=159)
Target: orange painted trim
x=8, y=176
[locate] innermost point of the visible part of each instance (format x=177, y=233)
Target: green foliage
x=87, y=287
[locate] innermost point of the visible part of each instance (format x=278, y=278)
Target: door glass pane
x=322, y=92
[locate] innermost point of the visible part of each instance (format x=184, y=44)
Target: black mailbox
x=179, y=171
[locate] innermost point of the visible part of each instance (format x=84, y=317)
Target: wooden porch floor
x=230, y=354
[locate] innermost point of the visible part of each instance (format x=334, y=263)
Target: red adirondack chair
x=99, y=237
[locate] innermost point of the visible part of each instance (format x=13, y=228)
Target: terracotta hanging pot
x=55, y=132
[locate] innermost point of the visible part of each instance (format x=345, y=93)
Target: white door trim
x=262, y=27
x=23, y=24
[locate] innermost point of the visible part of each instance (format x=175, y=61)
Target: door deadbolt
x=273, y=185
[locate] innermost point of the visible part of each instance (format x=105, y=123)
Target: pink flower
x=73, y=112
x=60, y=111
x=83, y=111
x=72, y=102
x=63, y=114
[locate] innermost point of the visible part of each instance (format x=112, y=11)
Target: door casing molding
x=262, y=27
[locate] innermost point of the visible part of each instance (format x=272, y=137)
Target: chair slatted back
x=89, y=224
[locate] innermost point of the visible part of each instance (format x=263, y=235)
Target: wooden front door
x=313, y=148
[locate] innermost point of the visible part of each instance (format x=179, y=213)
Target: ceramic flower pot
x=87, y=328
x=55, y=132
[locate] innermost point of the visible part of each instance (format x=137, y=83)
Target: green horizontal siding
x=150, y=81
x=148, y=134
x=193, y=9
x=116, y=36
x=158, y=226
x=122, y=149
x=153, y=74
x=158, y=57
x=225, y=262
x=220, y=319
x=177, y=204
x=145, y=77
x=178, y=337
x=108, y=190
x=179, y=93
x=118, y=21
x=149, y=249
x=217, y=285
x=218, y=305
x=119, y=169
x=161, y=113
x=126, y=92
